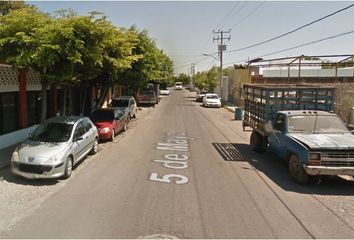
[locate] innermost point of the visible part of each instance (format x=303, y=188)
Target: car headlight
x=15, y=156
x=105, y=130
x=315, y=156
x=52, y=160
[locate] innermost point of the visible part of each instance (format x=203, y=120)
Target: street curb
x=231, y=109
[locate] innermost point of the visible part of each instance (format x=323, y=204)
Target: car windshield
x=99, y=116
x=120, y=103
x=52, y=132
x=316, y=124
x=147, y=93
x=212, y=97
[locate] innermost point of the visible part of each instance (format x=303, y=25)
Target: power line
x=309, y=43
x=292, y=31
x=210, y=37
x=244, y=4
x=301, y=45
x=227, y=15
x=249, y=14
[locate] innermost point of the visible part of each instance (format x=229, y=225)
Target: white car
x=178, y=85
x=211, y=100
x=164, y=92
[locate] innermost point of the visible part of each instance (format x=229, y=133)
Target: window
x=8, y=112
x=87, y=125
x=79, y=131
x=280, y=122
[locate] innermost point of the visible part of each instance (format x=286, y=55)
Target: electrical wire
x=227, y=15
x=299, y=46
x=248, y=15
x=244, y=4
x=292, y=31
x=310, y=43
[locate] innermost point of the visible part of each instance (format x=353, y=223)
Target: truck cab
x=314, y=143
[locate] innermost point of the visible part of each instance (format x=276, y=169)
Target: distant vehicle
x=296, y=123
x=110, y=121
x=54, y=147
x=201, y=95
x=178, y=85
x=147, y=97
x=165, y=92
x=211, y=100
x=126, y=103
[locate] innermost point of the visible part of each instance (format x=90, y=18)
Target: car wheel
x=257, y=142
x=68, y=167
x=94, y=149
x=112, y=136
x=296, y=170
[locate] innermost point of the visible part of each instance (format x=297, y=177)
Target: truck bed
x=263, y=101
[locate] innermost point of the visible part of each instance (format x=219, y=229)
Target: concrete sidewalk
x=5, y=156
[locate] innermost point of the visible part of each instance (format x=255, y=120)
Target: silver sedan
x=54, y=147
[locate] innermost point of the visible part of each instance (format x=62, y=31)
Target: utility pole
x=221, y=47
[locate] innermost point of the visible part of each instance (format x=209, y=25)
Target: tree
x=21, y=47
x=152, y=64
x=184, y=78
x=7, y=6
x=207, y=80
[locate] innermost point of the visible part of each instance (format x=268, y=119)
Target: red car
x=109, y=122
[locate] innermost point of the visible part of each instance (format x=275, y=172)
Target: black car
x=201, y=95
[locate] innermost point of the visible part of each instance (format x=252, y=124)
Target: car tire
x=296, y=170
x=94, y=148
x=113, y=135
x=68, y=167
x=258, y=142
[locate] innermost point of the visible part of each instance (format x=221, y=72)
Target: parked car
x=201, y=95
x=147, y=97
x=165, y=92
x=211, y=100
x=126, y=103
x=54, y=147
x=109, y=122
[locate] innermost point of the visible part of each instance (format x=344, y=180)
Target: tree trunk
x=45, y=85
x=83, y=102
x=64, y=101
x=103, y=95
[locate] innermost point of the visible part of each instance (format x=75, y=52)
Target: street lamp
x=218, y=59
x=209, y=55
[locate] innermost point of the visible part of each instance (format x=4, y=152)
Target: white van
x=178, y=85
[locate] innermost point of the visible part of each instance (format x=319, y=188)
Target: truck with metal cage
x=297, y=123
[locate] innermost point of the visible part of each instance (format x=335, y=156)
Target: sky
x=184, y=29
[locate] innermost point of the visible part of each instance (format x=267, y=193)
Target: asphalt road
x=187, y=171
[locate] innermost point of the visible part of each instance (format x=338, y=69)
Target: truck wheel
x=258, y=142
x=296, y=170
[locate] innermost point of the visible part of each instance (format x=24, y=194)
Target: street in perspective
x=103, y=133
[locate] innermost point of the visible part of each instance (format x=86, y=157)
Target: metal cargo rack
x=263, y=101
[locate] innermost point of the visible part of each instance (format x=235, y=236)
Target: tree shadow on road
x=276, y=169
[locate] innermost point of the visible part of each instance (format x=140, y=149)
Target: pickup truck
x=148, y=97
x=297, y=123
